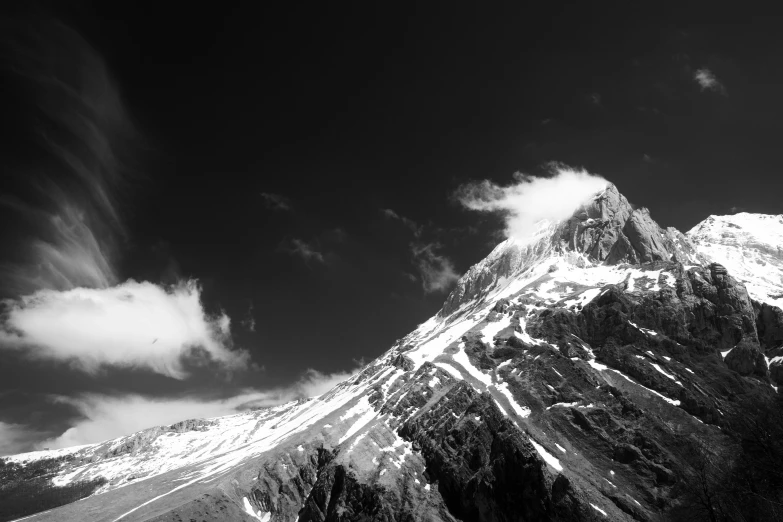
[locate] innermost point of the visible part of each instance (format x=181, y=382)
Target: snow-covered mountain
x=750, y=246
x=567, y=377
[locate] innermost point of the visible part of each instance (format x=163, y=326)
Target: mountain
x=604, y=368
x=750, y=246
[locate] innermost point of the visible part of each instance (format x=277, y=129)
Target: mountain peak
x=608, y=229
x=605, y=229
x=748, y=245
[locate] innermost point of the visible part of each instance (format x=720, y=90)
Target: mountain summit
x=577, y=374
x=606, y=229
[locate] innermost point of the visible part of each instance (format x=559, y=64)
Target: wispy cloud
x=249, y=322
x=595, y=98
x=708, y=81
x=131, y=325
x=304, y=250
x=319, y=249
x=276, y=201
x=436, y=271
x=412, y=225
x=530, y=199
x=104, y=417
x=73, y=216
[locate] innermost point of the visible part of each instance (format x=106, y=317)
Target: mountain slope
x=569, y=376
x=750, y=246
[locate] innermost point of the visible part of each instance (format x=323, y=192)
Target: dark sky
x=269, y=140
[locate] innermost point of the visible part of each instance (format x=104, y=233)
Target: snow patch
x=260, y=515
x=598, y=509
x=548, y=457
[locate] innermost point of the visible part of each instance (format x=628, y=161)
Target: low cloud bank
x=105, y=417
x=17, y=438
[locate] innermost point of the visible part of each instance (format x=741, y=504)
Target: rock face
x=610, y=230
x=569, y=376
x=606, y=229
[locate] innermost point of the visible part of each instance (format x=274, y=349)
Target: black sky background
x=349, y=109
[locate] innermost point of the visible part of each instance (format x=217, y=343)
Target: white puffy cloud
x=532, y=198
x=708, y=81
x=131, y=325
x=106, y=417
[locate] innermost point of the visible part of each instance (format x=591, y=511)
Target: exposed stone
x=747, y=359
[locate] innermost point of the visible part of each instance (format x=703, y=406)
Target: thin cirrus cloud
x=436, y=271
x=319, y=250
x=104, y=417
x=530, y=199
x=83, y=131
x=70, y=304
x=708, y=81
x=276, y=201
x=412, y=225
x=130, y=325
x=304, y=250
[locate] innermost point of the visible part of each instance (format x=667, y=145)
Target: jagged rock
x=606, y=229
x=627, y=453
x=403, y=362
x=776, y=372
x=747, y=359
x=191, y=425
x=769, y=324
x=487, y=471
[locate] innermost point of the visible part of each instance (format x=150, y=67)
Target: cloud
x=276, y=201
x=104, y=417
x=707, y=80
x=249, y=322
x=436, y=271
x=335, y=235
x=131, y=325
x=314, y=383
x=17, y=438
x=70, y=220
x=595, y=98
x=646, y=158
x=531, y=199
x=304, y=250
x=412, y=225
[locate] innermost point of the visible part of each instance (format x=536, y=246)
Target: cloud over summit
x=529, y=199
